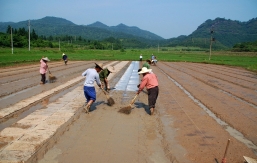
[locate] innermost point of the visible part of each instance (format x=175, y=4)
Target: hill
x=53, y=26
x=226, y=33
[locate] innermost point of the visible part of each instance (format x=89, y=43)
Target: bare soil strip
x=225, y=107
x=246, y=94
x=201, y=136
x=238, y=80
x=14, y=76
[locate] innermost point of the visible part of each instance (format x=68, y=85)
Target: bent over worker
x=149, y=81
x=65, y=58
x=91, y=75
x=103, y=77
x=43, y=69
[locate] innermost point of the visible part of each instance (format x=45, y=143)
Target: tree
x=9, y=29
x=33, y=35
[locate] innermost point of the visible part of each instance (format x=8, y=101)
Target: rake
x=110, y=100
x=52, y=78
x=127, y=109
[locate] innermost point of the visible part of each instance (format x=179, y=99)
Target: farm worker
x=155, y=60
x=65, y=58
x=147, y=64
x=140, y=57
x=43, y=69
x=152, y=58
x=103, y=77
x=92, y=75
x=149, y=81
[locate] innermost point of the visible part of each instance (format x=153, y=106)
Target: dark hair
x=96, y=66
x=139, y=70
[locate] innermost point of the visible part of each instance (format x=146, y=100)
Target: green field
x=246, y=60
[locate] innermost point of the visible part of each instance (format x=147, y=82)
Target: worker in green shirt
x=147, y=64
x=103, y=77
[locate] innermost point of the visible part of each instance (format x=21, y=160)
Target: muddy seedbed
x=181, y=131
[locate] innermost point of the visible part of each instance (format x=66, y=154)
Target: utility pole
x=29, y=34
x=11, y=40
x=211, y=40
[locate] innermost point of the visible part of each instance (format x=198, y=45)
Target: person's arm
x=84, y=73
x=142, y=85
x=107, y=83
x=98, y=82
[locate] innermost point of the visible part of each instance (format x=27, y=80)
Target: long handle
x=226, y=148
x=224, y=158
x=134, y=99
x=48, y=70
x=105, y=93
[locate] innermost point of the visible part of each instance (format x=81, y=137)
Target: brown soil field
x=199, y=107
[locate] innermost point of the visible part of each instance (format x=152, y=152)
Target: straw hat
x=99, y=65
x=46, y=59
x=111, y=68
x=144, y=70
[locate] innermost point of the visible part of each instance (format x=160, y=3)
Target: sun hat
x=46, y=59
x=63, y=54
x=111, y=68
x=144, y=70
x=99, y=65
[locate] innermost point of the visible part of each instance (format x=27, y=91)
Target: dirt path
x=182, y=130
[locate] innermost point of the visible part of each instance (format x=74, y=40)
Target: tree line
x=245, y=47
x=21, y=37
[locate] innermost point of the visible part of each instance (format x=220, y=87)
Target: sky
x=165, y=18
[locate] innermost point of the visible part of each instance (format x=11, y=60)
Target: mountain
x=98, y=25
x=53, y=26
x=226, y=33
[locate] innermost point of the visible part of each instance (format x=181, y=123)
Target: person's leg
x=43, y=78
x=152, y=97
x=151, y=100
x=90, y=95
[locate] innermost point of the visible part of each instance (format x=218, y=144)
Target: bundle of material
x=110, y=100
x=52, y=78
x=127, y=109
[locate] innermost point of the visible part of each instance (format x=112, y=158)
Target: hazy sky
x=166, y=18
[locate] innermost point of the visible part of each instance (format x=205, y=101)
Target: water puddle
x=130, y=79
x=233, y=132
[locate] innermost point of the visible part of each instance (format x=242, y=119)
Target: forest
x=19, y=38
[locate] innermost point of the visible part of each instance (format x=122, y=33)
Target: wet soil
x=181, y=131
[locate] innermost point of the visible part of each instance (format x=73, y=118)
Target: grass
x=24, y=56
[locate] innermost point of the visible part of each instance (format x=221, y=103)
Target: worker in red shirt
x=149, y=81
